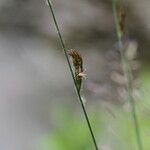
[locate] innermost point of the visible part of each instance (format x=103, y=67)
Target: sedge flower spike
x=78, y=67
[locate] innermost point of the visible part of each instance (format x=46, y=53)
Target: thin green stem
x=72, y=74
x=128, y=75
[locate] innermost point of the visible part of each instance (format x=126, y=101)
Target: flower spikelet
x=78, y=66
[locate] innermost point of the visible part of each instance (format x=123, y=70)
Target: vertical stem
x=72, y=74
x=128, y=75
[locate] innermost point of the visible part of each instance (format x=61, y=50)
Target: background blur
x=38, y=106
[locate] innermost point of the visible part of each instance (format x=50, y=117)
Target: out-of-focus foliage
x=71, y=133
x=114, y=128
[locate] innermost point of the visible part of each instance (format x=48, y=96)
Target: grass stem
x=72, y=74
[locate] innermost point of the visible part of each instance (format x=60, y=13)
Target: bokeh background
x=38, y=106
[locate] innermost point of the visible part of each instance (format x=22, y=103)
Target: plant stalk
x=128, y=76
x=72, y=74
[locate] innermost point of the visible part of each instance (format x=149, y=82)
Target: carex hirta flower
x=78, y=67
